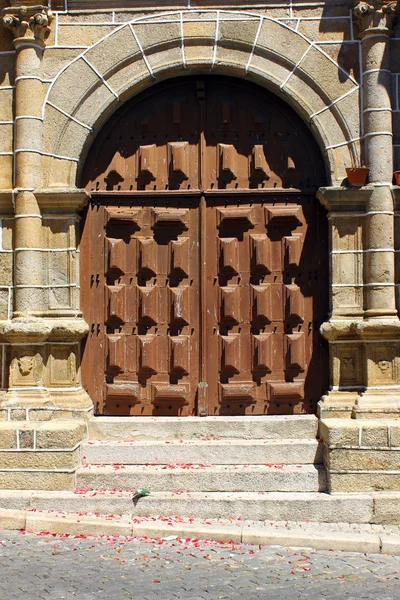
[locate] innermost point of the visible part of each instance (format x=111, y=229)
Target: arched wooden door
x=204, y=255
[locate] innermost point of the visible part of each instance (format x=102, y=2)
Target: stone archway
x=138, y=54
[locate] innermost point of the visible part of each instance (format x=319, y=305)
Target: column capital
x=376, y=16
x=28, y=23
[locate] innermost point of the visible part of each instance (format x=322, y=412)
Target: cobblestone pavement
x=36, y=567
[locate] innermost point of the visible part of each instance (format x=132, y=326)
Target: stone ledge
x=44, y=460
x=366, y=540
x=390, y=545
x=272, y=506
x=324, y=540
x=12, y=519
x=23, y=479
x=372, y=460
x=363, y=481
x=39, y=414
x=169, y=428
x=361, y=330
x=386, y=507
x=61, y=200
x=38, y=330
x=361, y=455
x=344, y=199
x=54, y=200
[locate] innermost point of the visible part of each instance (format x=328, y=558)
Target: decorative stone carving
x=26, y=367
x=30, y=22
x=384, y=366
x=376, y=15
x=61, y=366
x=348, y=367
x=347, y=360
x=25, y=364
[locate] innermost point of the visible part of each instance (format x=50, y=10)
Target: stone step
x=165, y=428
x=357, y=537
x=271, y=506
x=218, y=452
x=195, y=478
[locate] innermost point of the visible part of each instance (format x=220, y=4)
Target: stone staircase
x=206, y=466
x=247, y=468
x=205, y=455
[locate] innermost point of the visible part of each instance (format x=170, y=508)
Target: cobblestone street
x=36, y=567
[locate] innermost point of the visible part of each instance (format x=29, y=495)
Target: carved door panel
x=263, y=306
x=145, y=302
x=154, y=147
x=254, y=144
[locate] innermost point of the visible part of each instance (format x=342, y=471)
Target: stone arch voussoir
x=137, y=54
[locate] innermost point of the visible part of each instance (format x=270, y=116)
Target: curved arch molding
x=137, y=54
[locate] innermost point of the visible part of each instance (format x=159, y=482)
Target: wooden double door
x=204, y=256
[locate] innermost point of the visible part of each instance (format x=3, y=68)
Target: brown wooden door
x=204, y=256
x=262, y=290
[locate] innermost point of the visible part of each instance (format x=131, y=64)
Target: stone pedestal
x=44, y=351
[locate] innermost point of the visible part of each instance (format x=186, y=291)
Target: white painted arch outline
x=321, y=108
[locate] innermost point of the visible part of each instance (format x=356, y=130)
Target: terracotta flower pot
x=357, y=176
x=396, y=177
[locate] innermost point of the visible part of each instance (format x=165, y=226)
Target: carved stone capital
x=376, y=16
x=28, y=22
x=42, y=330
x=365, y=330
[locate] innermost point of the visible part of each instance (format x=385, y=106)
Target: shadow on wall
x=272, y=147
x=344, y=52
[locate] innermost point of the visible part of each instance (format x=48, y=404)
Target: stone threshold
x=364, y=538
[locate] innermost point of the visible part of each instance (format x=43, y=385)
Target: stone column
x=365, y=349
x=346, y=215
x=30, y=27
x=375, y=23
x=381, y=332
x=43, y=344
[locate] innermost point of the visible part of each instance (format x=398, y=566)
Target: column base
x=380, y=313
x=377, y=404
x=46, y=403
x=365, y=368
x=43, y=362
x=337, y=404
x=26, y=398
